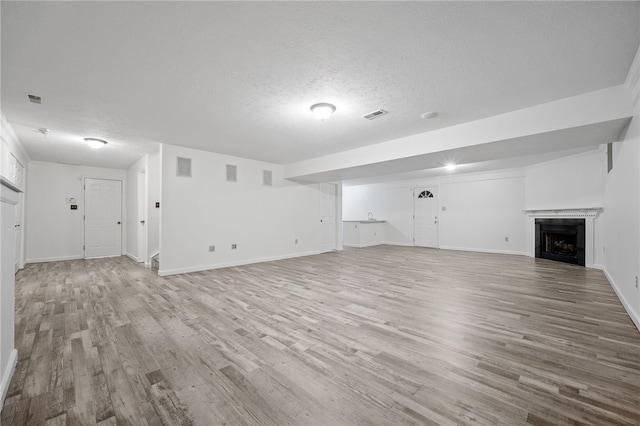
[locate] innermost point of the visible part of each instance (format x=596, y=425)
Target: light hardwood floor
x=376, y=336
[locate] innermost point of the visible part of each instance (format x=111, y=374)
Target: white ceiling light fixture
x=450, y=167
x=428, y=115
x=95, y=143
x=322, y=111
x=44, y=132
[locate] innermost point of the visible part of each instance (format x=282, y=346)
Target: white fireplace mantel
x=588, y=213
x=568, y=213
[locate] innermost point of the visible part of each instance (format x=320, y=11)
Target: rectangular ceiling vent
x=35, y=99
x=183, y=168
x=375, y=114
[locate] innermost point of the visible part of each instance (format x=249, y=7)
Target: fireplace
x=561, y=239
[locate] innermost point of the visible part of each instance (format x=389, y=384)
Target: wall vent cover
x=375, y=114
x=267, y=177
x=232, y=173
x=183, y=167
x=35, y=99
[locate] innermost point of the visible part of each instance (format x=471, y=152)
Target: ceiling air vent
x=35, y=99
x=375, y=114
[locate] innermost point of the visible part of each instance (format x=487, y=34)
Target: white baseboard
x=362, y=245
x=132, y=257
x=7, y=375
x=479, y=250
x=635, y=316
x=52, y=259
x=391, y=243
x=165, y=272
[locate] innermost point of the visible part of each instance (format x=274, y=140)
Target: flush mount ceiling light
x=450, y=167
x=322, y=111
x=428, y=115
x=95, y=143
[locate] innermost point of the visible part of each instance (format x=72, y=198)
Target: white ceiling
x=238, y=77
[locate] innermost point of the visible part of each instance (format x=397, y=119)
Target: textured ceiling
x=238, y=77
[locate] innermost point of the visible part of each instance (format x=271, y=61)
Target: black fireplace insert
x=560, y=239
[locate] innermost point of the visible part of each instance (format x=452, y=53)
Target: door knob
x=142, y=222
x=118, y=223
x=16, y=226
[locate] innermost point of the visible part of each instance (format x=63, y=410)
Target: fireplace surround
x=588, y=214
x=562, y=240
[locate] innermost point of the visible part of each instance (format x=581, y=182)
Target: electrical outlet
x=506, y=239
x=234, y=246
x=212, y=248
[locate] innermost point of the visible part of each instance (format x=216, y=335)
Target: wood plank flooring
x=377, y=336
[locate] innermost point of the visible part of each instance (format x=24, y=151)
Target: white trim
x=362, y=245
x=53, y=259
x=132, y=257
x=570, y=212
x=7, y=375
x=387, y=243
x=480, y=250
x=165, y=272
x=635, y=317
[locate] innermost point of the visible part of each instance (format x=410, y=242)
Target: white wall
x=481, y=214
x=53, y=230
x=206, y=210
x=570, y=182
x=12, y=206
x=481, y=210
x=622, y=209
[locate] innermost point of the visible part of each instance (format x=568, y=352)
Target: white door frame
x=122, y=213
x=413, y=204
x=142, y=219
x=336, y=216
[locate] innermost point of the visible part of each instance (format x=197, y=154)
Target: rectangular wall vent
x=35, y=99
x=267, y=177
x=183, y=167
x=375, y=114
x=232, y=173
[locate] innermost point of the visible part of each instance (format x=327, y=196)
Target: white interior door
x=425, y=217
x=327, y=216
x=102, y=218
